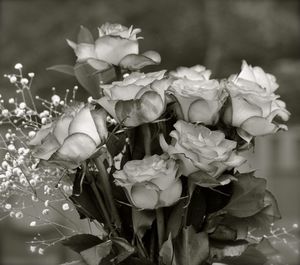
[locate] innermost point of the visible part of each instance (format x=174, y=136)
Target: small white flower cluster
x=20, y=177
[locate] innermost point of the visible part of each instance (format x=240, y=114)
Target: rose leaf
x=166, y=253
x=63, y=68
x=85, y=36
x=191, y=248
x=248, y=196
x=79, y=243
x=142, y=221
x=94, y=255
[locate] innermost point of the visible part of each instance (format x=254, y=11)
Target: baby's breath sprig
x=21, y=180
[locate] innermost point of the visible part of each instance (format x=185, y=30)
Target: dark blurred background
x=216, y=33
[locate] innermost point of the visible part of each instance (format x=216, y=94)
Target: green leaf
x=191, y=248
x=115, y=143
x=258, y=223
x=94, y=255
x=136, y=61
x=223, y=232
x=175, y=221
x=79, y=243
x=124, y=249
x=248, y=196
x=85, y=204
x=91, y=78
x=203, y=179
x=63, y=68
x=85, y=36
x=85, y=75
x=166, y=253
x=142, y=221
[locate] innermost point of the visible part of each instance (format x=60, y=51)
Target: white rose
x=199, y=99
x=253, y=104
x=72, y=138
x=200, y=149
x=138, y=99
x=150, y=183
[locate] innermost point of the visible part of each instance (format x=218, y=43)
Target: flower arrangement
x=151, y=159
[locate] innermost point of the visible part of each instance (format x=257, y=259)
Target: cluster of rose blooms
x=245, y=101
x=199, y=124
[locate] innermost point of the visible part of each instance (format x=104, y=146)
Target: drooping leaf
x=191, y=248
x=85, y=36
x=94, y=255
x=79, y=243
x=175, y=221
x=166, y=253
x=63, y=68
x=124, y=249
x=85, y=75
x=203, y=179
x=248, y=196
x=136, y=61
x=142, y=220
x=85, y=204
x=115, y=143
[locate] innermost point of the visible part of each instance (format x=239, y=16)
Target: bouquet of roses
x=153, y=157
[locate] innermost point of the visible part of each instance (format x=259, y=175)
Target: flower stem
x=104, y=179
x=160, y=226
x=100, y=202
x=147, y=139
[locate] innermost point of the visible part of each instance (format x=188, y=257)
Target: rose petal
x=144, y=198
x=203, y=111
x=144, y=110
x=242, y=110
x=99, y=117
x=83, y=122
x=41, y=134
x=113, y=49
x=77, y=148
x=153, y=55
x=247, y=72
x=124, y=92
x=49, y=146
x=108, y=105
x=61, y=128
x=170, y=195
x=257, y=126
